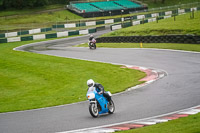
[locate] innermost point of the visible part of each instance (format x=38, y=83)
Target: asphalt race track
x=180, y=89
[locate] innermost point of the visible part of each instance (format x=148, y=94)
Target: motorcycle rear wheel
x=93, y=110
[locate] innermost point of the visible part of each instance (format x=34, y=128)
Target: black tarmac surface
x=180, y=89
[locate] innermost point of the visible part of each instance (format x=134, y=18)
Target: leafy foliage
x=19, y=4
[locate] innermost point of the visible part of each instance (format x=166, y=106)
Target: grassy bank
x=32, y=21
x=30, y=80
x=182, y=25
x=183, y=125
x=174, y=46
x=158, y=3
x=16, y=20
x=10, y=12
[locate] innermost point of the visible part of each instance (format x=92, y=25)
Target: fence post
x=157, y=19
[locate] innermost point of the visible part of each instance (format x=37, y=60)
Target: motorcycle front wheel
x=95, y=46
x=111, y=107
x=93, y=110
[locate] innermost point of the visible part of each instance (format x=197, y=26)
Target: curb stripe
x=140, y=123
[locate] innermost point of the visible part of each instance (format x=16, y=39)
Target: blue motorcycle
x=98, y=103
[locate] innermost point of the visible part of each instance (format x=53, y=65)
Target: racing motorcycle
x=92, y=44
x=98, y=103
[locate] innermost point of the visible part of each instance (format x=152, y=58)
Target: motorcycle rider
x=99, y=88
x=91, y=39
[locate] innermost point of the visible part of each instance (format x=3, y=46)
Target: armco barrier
x=27, y=38
x=79, y=24
x=189, y=39
x=52, y=35
x=135, y=17
x=33, y=31
x=93, y=30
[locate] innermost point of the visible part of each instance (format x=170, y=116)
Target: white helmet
x=91, y=35
x=90, y=83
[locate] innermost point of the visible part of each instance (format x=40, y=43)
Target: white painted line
x=189, y=112
x=196, y=110
x=143, y=68
x=150, y=81
x=133, y=121
x=158, y=120
x=97, y=130
x=145, y=123
x=101, y=130
x=129, y=66
x=154, y=71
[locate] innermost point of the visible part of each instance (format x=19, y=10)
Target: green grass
x=25, y=11
x=36, y=20
x=27, y=19
x=30, y=80
x=182, y=25
x=174, y=46
x=183, y=125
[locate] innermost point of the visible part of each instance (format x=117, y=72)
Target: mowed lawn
x=31, y=21
x=182, y=25
x=30, y=80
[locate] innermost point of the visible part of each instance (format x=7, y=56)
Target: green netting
x=22, y=33
x=27, y=38
x=46, y=29
x=2, y=36
x=124, y=25
x=92, y=30
x=58, y=26
x=54, y=35
x=117, y=20
x=148, y=16
x=134, y=17
x=3, y=41
x=100, y=22
x=80, y=24
x=73, y=33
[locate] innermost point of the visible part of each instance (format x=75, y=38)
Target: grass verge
x=182, y=25
x=30, y=80
x=183, y=125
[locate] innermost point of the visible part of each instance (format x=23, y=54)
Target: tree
x=19, y=4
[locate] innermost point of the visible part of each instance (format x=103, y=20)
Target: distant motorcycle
x=92, y=44
x=98, y=103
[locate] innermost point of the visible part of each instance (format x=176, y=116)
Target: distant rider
x=99, y=88
x=91, y=40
